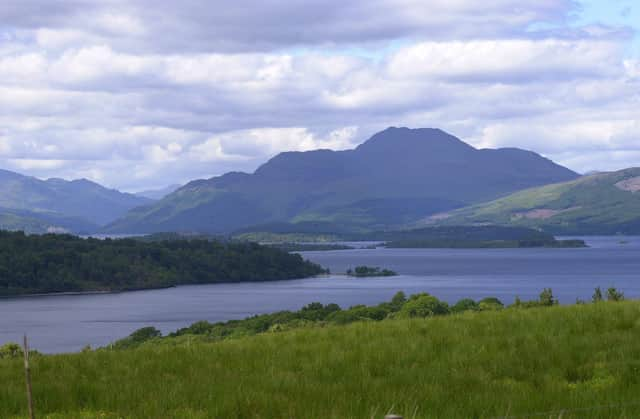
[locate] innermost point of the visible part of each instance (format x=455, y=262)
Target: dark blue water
x=67, y=323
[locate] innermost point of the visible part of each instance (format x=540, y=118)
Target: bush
x=614, y=295
x=465, y=304
x=597, y=295
x=423, y=305
x=10, y=350
x=138, y=337
x=398, y=300
x=490, y=304
x=546, y=298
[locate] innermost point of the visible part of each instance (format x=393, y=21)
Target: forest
x=64, y=263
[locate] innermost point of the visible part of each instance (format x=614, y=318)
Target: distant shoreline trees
x=51, y=263
x=368, y=271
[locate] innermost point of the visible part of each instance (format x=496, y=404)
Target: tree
x=597, y=295
x=465, y=304
x=490, y=303
x=10, y=350
x=145, y=333
x=614, y=295
x=398, y=300
x=546, y=298
x=423, y=305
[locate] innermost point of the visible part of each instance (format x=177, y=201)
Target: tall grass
x=488, y=364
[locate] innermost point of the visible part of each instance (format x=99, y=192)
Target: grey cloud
x=246, y=25
x=135, y=96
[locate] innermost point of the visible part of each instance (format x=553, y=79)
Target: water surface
x=66, y=323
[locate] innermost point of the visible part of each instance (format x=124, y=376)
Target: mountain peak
x=396, y=177
x=417, y=139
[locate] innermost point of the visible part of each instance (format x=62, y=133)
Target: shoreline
x=72, y=293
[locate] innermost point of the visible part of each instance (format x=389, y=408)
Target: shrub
x=597, y=295
x=614, y=295
x=423, y=305
x=138, y=337
x=490, y=303
x=546, y=298
x=465, y=304
x=10, y=350
x=398, y=300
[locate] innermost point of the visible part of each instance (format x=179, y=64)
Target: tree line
x=65, y=263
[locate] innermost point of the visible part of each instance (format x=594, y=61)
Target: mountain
x=43, y=222
x=398, y=176
x=157, y=194
x=78, y=205
x=602, y=203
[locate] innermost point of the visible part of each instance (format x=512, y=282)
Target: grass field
x=508, y=363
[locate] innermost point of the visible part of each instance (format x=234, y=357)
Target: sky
x=139, y=94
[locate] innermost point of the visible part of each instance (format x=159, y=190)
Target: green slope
x=29, y=203
x=604, y=203
x=571, y=362
x=396, y=177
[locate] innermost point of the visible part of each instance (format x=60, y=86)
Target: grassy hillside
x=582, y=360
x=605, y=203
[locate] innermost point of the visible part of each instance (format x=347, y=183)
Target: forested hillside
x=65, y=263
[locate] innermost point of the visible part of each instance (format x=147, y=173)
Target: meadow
x=560, y=361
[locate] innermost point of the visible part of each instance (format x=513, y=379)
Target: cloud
x=252, y=144
x=244, y=25
x=506, y=61
x=136, y=96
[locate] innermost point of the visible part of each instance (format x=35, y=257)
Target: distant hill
x=398, y=176
x=43, y=222
x=31, y=204
x=157, y=194
x=603, y=203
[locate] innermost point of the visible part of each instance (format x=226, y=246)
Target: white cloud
x=138, y=96
x=261, y=143
x=60, y=38
x=506, y=60
x=36, y=164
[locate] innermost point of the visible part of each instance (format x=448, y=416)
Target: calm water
x=67, y=323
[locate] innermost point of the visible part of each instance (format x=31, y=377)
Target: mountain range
x=398, y=176
x=35, y=205
x=160, y=193
x=601, y=203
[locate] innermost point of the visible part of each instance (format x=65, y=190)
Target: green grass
x=488, y=364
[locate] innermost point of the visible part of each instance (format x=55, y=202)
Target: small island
x=368, y=271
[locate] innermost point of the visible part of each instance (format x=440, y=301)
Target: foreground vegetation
x=316, y=314
x=65, y=263
x=493, y=363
